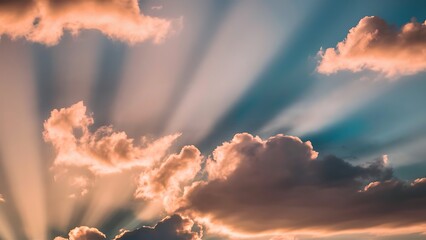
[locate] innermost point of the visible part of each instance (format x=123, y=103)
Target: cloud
x=377, y=46
x=84, y=233
x=174, y=227
x=103, y=151
x=279, y=185
x=83, y=156
x=250, y=185
x=17, y=17
x=166, y=182
x=2, y=199
x=45, y=21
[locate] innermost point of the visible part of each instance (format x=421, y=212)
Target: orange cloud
x=45, y=21
x=103, y=151
x=377, y=46
x=17, y=17
x=84, y=233
x=167, y=181
x=82, y=155
x=2, y=199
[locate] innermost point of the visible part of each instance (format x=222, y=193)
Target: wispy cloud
x=45, y=21
x=375, y=45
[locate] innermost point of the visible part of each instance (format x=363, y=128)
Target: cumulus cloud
x=103, y=151
x=84, y=233
x=251, y=185
x=167, y=181
x=83, y=155
x=174, y=227
x=377, y=46
x=45, y=21
x=279, y=185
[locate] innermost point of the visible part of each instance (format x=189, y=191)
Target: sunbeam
x=212, y=120
x=20, y=149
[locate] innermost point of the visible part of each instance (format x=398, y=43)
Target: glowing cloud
x=252, y=186
x=174, y=227
x=377, y=46
x=84, y=233
x=167, y=181
x=2, y=199
x=45, y=21
x=16, y=17
x=278, y=185
x=227, y=157
x=103, y=151
x=83, y=155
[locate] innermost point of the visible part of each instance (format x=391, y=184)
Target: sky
x=214, y=119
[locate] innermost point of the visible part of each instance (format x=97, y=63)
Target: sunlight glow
x=19, y=137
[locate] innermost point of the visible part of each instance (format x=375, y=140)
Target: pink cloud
x=377, y=46
x=45, y=21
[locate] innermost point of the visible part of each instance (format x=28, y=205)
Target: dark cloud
x=171, y=228
x=174, y=227
x=277, y=184
x=16, y=3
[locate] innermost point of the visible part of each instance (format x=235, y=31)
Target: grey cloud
x=174, y=227
x=278, y=185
